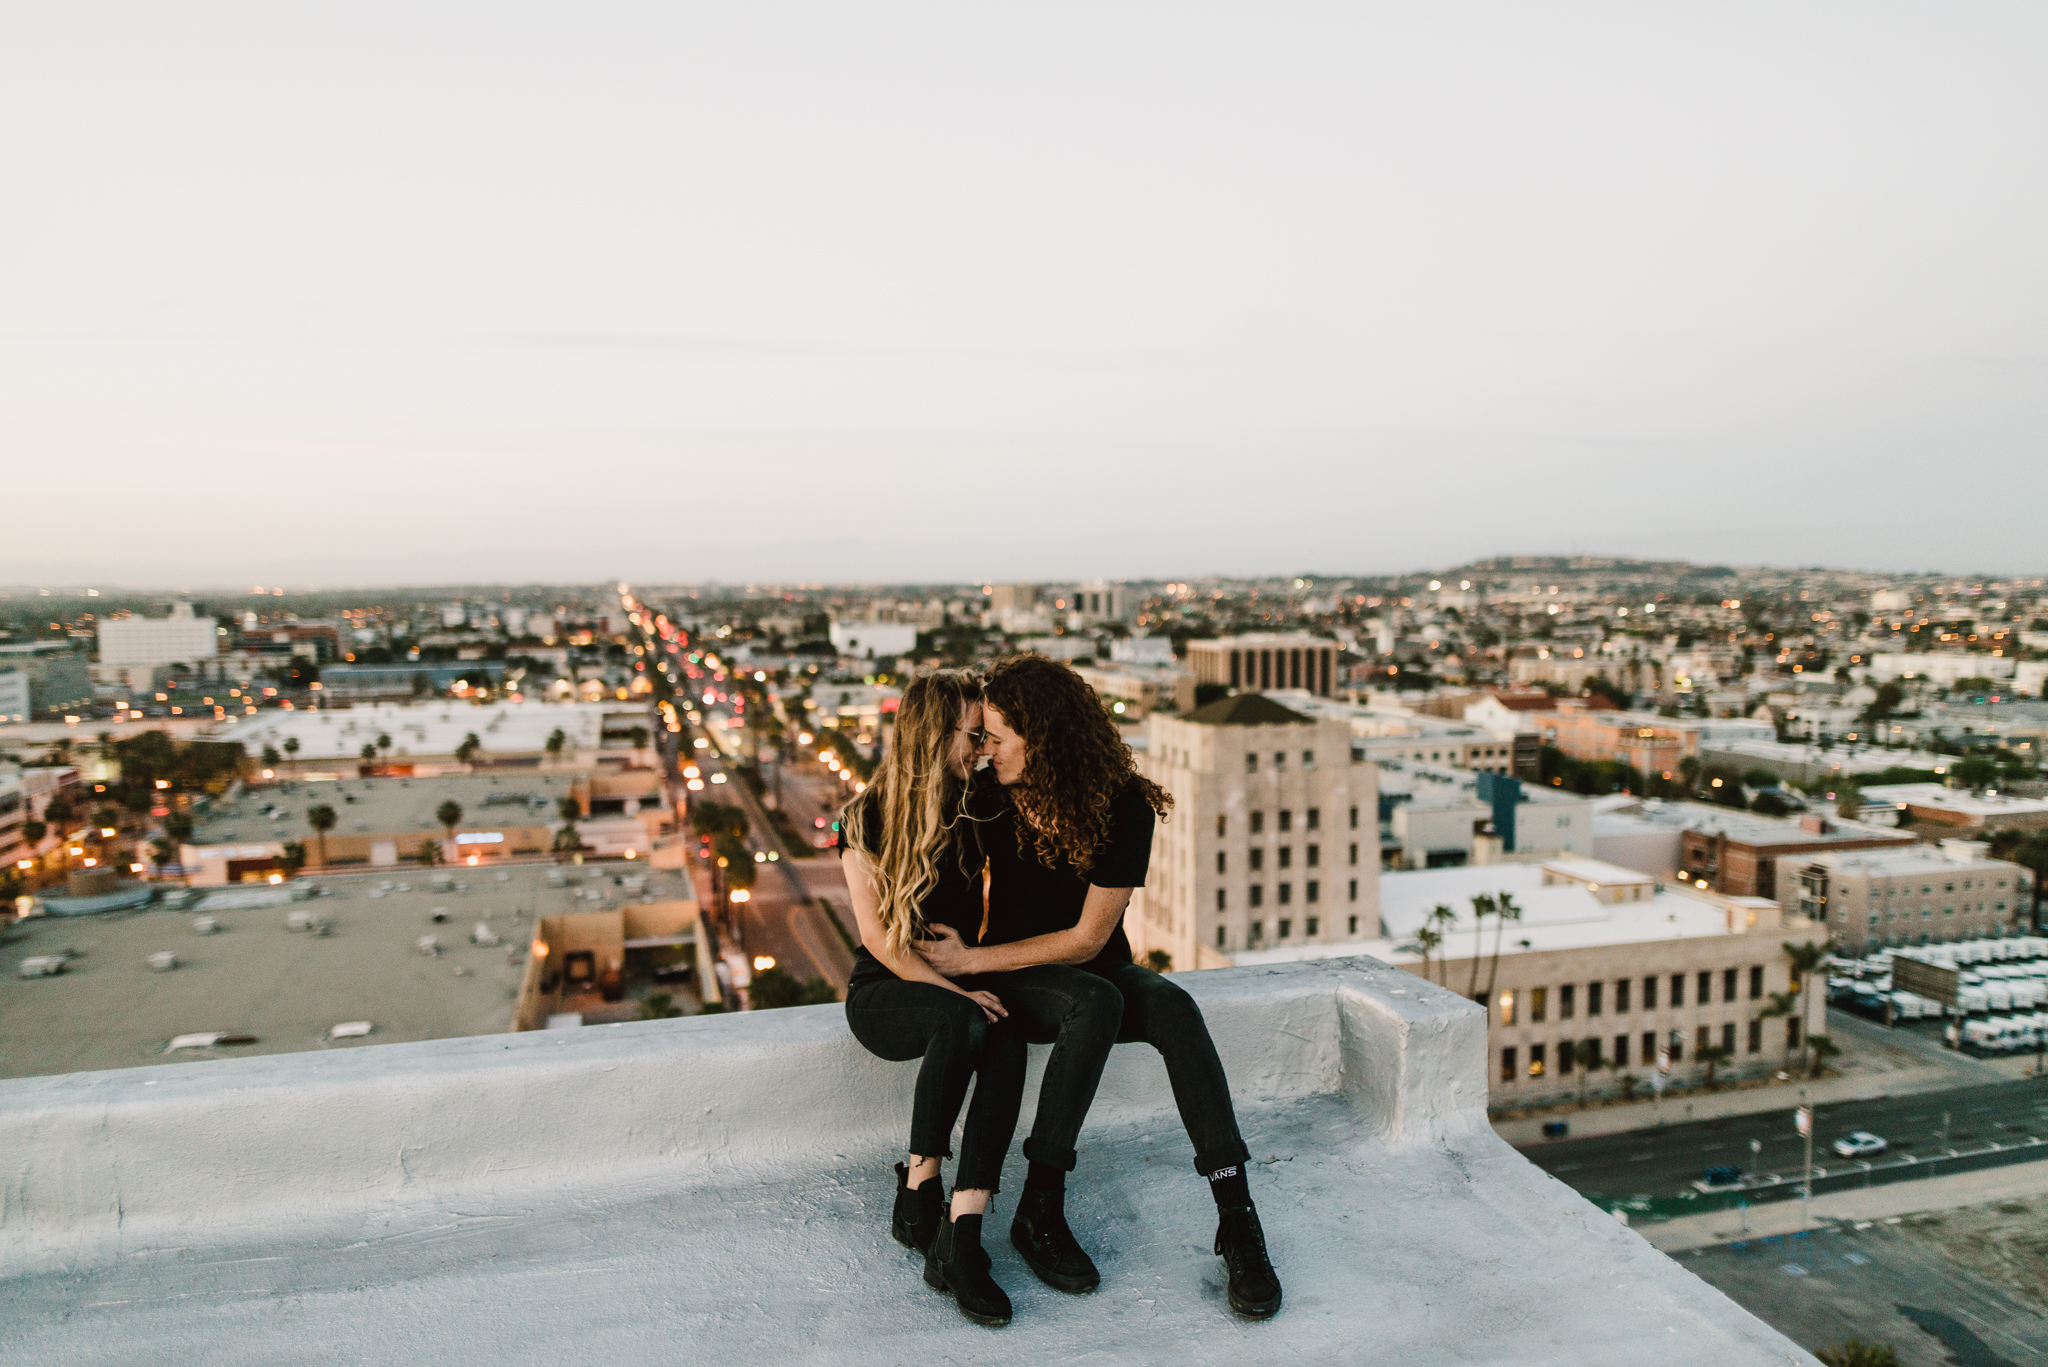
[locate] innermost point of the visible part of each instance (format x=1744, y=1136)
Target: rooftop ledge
x=717, y=1187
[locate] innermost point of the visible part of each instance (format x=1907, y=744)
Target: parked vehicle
x=1861, y=1144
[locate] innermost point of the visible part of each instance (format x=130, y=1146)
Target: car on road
x=1861, y=1144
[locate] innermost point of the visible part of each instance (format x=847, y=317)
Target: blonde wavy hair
x=917, y=800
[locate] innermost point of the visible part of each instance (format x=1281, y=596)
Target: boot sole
x=1058, y=1281
x=937, y=1282
x=1260, y=1311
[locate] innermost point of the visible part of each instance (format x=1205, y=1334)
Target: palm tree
x=1713, y=1056
x=1483, y=906
x=321, y=819
x=1428, y=938
x=448, y=814
x=1586, y=1054
x=291, y=750
x=271, y=759
x=1824, y=1049
x=556, y=740
x=1856, y=1353
x=369, y=754
x=1504, y=911
x=383, y=746
x=1445, y=920
x=1805, y=959
x=465, y=753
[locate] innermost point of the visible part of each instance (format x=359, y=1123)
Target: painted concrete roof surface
x=718, y=1188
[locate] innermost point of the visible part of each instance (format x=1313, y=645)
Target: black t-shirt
x=955, y=900
x=1027, y=898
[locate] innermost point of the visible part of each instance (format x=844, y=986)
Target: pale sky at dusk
x=407, y=293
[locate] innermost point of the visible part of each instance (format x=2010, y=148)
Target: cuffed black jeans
x=899, y=1020
x=1081, y=1012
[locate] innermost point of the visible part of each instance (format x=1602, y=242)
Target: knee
x=1095, y=1009
x=1171, y=1013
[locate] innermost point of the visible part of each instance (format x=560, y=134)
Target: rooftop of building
x=1440, y=785
x=1750, y=828
x=1959, y=800
x=701, y=1187
x=1246, y=709
x=253, y=976
x=1951, y=856
x=375, y=806
x=422, y=729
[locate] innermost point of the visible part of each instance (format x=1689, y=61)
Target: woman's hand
x=990, y=1007
x=946, y=952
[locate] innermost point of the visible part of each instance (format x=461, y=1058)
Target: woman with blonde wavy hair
x=916, y=868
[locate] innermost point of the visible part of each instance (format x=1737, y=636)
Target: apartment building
x=1738, y=853
x=1264, y=661
x=1273, y=837
x=1600, y=954
x=1134, y=691
x=1921, y=895
x=1384, y=732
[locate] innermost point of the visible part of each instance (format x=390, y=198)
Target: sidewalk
x=1875, y=1062
x=1891, y=1202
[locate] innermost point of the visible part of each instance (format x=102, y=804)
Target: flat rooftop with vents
x=254, y=976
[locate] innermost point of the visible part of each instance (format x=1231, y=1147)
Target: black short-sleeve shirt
x=955, y=900
x=1027, y=897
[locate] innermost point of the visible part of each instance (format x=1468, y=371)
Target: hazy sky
x=414, y=292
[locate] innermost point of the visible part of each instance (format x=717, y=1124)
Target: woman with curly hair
x=1067, y=827
x=915, y=871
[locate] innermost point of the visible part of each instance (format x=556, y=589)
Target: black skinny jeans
x=1081, y=1012
x=898, y=1020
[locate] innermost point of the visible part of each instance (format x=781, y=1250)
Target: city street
x=1665, y=1161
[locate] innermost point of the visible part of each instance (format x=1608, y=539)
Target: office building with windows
x=1913, y=896
x=1273, y=838
x=1601, y=965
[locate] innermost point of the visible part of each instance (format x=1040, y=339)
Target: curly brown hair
x=1076, y=763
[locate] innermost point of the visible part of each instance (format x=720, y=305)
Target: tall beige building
x=1273, y=839
x=1267, y=660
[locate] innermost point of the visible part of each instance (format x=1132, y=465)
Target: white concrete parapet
x=681, y=1167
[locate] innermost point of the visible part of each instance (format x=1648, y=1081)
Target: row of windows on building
x=1592, y=1052
x=1283, y=894
x=1251, y=761
x=1926, y=913
x=1534, y=1005
x=1311, y=818
x=1255, y=933
x=1312, y=857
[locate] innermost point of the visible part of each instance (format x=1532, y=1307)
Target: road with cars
x=1665, y=1161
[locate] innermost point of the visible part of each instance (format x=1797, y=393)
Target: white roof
x=433, y=728
x=1562, y=916
x=1959, y=800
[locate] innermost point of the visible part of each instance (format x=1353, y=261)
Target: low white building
x=15, y=701
x=1942, y=668
x=1437, y=816
x=133, y=648
x=874, y=640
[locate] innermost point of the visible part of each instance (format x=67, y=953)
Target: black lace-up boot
x=919, y=1211
x=1040, y=1233
x=1241, y=1243
x=958, y=1265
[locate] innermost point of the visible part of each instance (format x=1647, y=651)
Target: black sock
x=1045, y=1177
x=1229, y=1188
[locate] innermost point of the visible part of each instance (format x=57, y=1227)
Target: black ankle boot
x=1041, y=1234
x=919, y=1211
x=958, y=1265
x=1241, y=1243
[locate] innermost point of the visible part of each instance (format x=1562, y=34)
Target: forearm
x=910, y=966
x=1061, y=947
